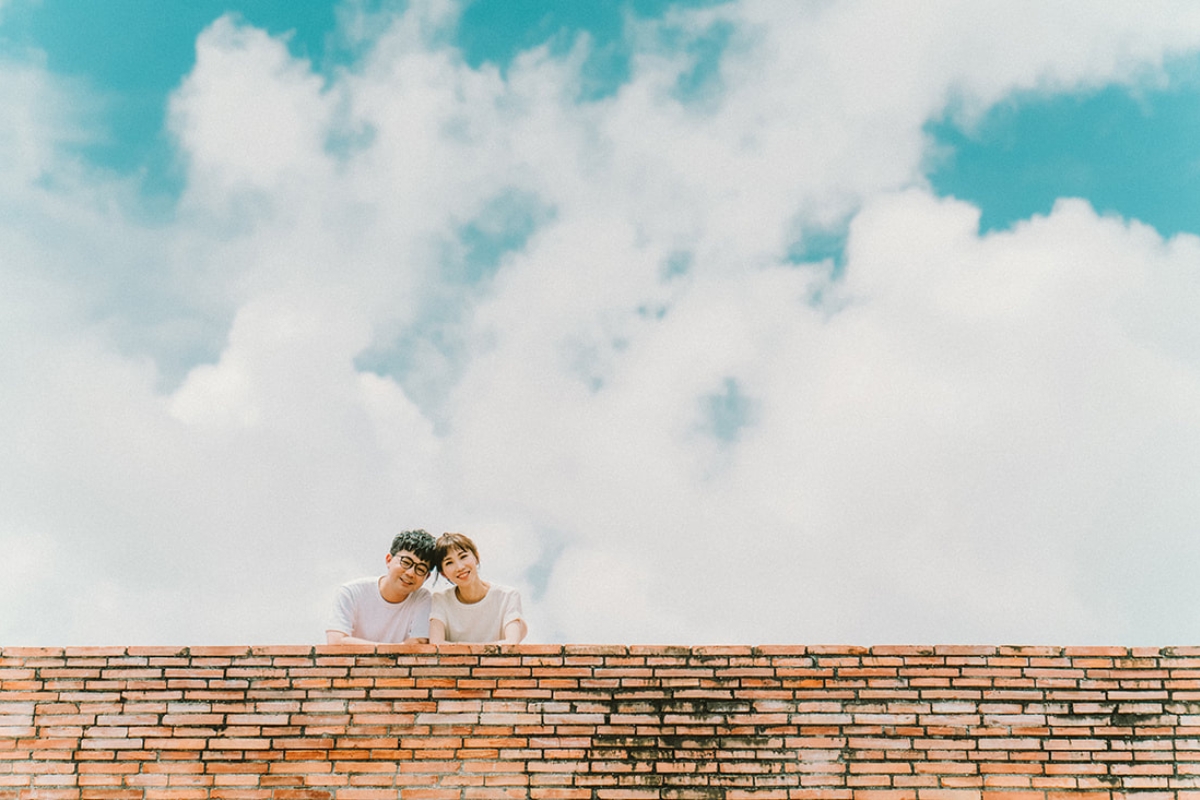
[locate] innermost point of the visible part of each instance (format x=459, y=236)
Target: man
x=391, y=608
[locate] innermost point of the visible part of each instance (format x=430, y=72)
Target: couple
x=396, y=608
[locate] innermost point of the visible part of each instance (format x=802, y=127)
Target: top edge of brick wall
x=601, y=650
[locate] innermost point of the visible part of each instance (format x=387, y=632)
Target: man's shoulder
x=360, y=586
x=369, y=580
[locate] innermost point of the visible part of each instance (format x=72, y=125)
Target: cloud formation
x=585, y=331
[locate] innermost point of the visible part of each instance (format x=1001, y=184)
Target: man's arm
x=418, y=629
x=339, y=637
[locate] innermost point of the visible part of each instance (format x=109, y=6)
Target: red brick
x=663, y=720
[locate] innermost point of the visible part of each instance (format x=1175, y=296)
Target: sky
x=744, y=321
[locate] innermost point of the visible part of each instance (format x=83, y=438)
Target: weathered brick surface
x=587, y=722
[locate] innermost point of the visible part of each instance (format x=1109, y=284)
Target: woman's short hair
x=452, y=541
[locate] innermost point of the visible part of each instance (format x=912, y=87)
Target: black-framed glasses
x=418, y=567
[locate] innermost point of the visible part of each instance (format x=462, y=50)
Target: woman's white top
x=477, y=622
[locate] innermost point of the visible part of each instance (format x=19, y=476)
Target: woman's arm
x=437, y=632
x=514, y=632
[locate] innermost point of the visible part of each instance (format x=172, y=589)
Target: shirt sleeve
x=341, y=618
x=512, y=609
x=419, y=628
x=437, y=609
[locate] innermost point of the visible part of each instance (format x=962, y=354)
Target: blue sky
x=1133, y=154
x=710, y=321
x=136, y=52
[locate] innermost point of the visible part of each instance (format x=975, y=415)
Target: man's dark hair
x=420, y=543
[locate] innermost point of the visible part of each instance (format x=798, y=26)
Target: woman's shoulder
x=443, y=595
x=503, y=590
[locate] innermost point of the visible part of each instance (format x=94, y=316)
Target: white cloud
x=962, y=438
x=248, y=115
x=946, y=457
x=37, y=120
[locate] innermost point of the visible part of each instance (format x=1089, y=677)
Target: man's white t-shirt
x=477, y=622
x=359, y=610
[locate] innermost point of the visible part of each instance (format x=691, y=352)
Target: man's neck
x=393, y=591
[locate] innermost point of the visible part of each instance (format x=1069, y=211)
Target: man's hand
x=338, y=637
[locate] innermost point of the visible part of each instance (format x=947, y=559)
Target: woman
x=472, y=610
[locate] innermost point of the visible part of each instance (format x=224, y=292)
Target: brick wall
x=563, y=722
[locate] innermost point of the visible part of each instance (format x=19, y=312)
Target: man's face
x=406, y=568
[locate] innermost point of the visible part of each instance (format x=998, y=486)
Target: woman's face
x=460, y=566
